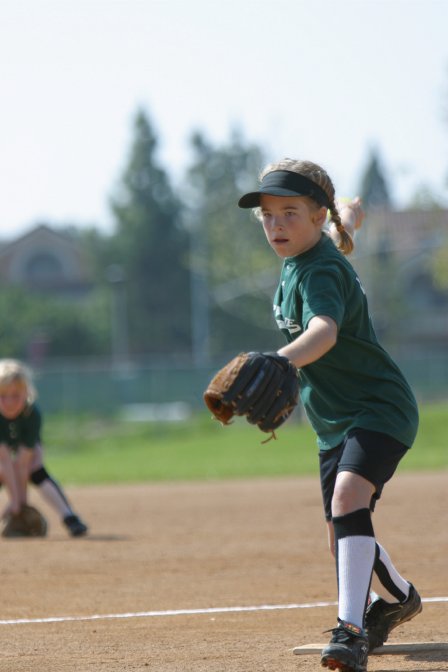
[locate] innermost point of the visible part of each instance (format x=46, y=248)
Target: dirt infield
x=153, y=585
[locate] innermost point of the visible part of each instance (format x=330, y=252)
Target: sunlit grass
x=86, y=450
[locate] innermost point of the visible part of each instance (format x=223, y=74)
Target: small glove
x=263, y=386
x=29, y=522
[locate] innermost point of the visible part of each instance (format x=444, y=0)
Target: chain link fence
x=100, y=389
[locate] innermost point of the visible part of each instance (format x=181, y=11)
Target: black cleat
x=382, y=617
x=75, y=525
x=347, y=650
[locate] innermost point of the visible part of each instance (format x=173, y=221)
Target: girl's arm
x=318, y=339
x=22, y=467
x=9, y=478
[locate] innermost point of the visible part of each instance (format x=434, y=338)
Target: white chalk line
x=183, y=612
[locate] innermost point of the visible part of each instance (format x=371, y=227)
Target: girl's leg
x=357, y=556
x=51, y=492
x=54, y=495
x=396, y=601
x=365, y=461
x=354, y=550
x=387, y=583
x=354, y=543
x=48, y=487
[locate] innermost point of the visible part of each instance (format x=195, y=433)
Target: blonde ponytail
x=345, y=242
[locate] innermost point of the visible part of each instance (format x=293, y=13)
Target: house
x=394, y=256
x=46, y=261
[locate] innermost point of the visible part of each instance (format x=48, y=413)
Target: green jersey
x=356, y=383
x=23, y=430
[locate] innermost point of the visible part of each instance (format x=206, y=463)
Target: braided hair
x=320, y=177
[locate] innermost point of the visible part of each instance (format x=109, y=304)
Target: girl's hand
x=352, y=213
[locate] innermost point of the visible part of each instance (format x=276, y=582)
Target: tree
x=374, y=190
x=439, y=267
x=35, y=326
x=152, y=250
x=424, y=198
x=235, y=270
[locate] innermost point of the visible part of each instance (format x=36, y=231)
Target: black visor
x=285, y=183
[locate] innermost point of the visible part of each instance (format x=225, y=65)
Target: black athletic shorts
x=373, y=455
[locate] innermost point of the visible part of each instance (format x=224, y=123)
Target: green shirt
x=23, y=430
x=356, y=383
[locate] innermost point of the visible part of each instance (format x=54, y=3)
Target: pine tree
x=374, y=190
x=153, y=250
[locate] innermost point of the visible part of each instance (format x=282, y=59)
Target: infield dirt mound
x=187, y=546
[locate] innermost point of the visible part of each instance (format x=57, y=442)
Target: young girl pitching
x=356, y=398
x=21, y=458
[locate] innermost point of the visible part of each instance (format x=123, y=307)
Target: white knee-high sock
x=53, y=495
x=355, y=556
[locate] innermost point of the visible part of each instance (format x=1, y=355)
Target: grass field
x=83, y=450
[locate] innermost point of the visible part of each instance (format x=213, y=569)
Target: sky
x=324, y=80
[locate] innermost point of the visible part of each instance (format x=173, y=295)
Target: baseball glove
x=263, y=386
x=29, y=522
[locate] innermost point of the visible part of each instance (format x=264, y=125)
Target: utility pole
x=119, y=317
